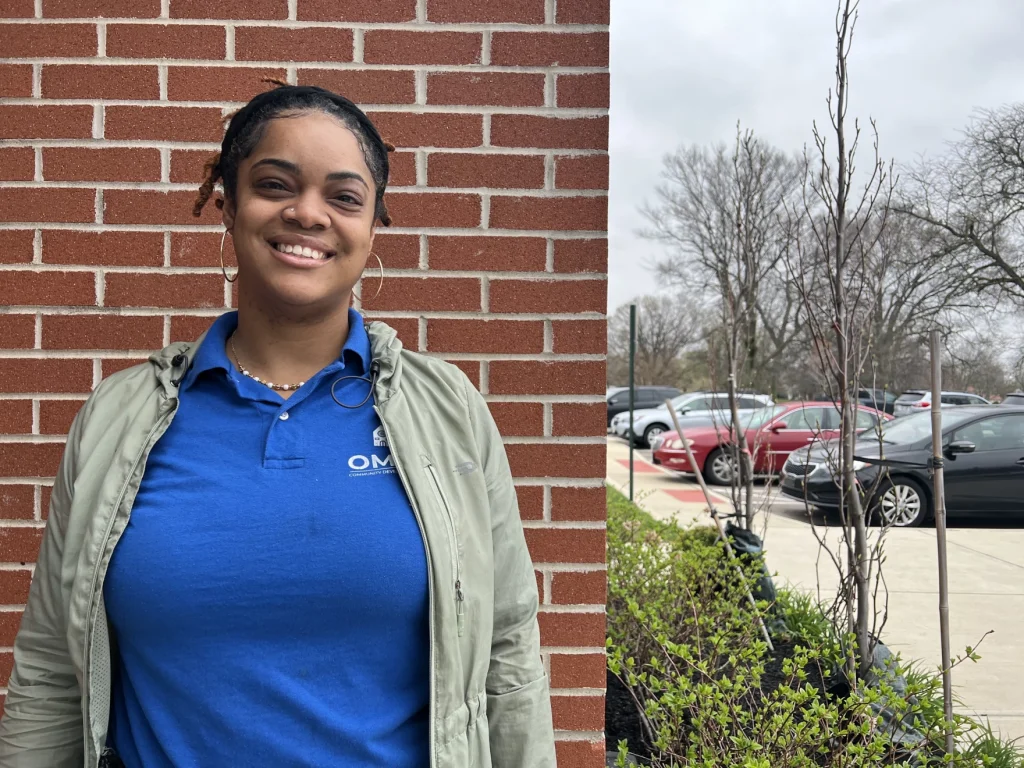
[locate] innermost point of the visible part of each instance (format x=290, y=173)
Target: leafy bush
x=684, y=640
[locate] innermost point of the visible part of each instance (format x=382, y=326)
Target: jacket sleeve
x=42, y=725
x=518, y=699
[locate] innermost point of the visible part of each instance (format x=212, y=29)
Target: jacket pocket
x=452, y=533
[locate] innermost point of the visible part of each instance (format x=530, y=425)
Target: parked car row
x=696, y=407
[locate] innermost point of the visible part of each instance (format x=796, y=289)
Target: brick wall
x=497, y=260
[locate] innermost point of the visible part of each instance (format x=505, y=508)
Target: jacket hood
x=173, y=361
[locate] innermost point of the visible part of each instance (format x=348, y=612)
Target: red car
x=772, y=434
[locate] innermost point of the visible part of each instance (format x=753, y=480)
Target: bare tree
x=667, y=328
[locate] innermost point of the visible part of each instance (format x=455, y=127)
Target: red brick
x=495, y=171
x=519, y=419
x=418, y=209
x=102, y=332
x=584, y=172
x=14, y=586
x=7, y=659
x=572, y=588
x=585, y=670
x=556, y=460
x=407, y=328
x=578, y=504
x=571, y=630
x=189, y=327
x=577, y=713
x=565, y=545
x=471, y=368
x=548, y=296
x=84, y=81
x=540, y=585
x=15, y=80
x=46, y=491
x=17, y=163
x=15, y=419
x=589, y=256
x=395, y=251
x=530, y=497
x=17, y=545
x=46, y=122
x=131, y=206
x=583, y=91
x=219, y=83
x=579, y=337
x=163, y=123
x=184, y=291
x=555, y=132
x=18, y=9
x=583, y=12
x=31, y=288
x=55, y=416
x=104, y=9
x=374, y=86
x=17, y=502
x=50, y=376
x=506, y=89
x=580, y=754
x=486, y=336
x=523, y=377
x=579, y=419
x=402, y=169
x=30, y=460
x=166, y=41
x=376, y=11
x=16, y=246
x=110, y=366
x=488, y=11
x=114, y=249
x=427, y=294
x=120, y=164
x=229, y=9
x=18, y=332
x=549, y=49
x=63, y=205
x=516, y=254
x=187, y=166
x=200, y=249
x=565, y=213
x=302, y=44
x=9, y=623
x=406, y=130
x=389, y=46
x=47, y=41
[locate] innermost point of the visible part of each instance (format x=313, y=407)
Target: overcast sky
x=684, y=71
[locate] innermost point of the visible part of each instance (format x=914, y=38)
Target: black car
x=984, y=466
x=879, y=399
x=643, y=397
x=1014, y=398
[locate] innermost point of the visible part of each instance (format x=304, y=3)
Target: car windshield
x=911, y=429
x=764, y=415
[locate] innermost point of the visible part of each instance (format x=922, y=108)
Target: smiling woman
x=325, y=570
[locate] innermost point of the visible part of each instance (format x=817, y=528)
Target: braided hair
x=247, y=125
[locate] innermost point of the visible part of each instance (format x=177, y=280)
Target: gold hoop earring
x=381, y=273
x=222, y=269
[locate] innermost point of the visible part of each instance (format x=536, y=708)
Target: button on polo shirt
x=269, y=594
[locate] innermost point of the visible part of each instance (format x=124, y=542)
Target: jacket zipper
x=430, y=580
x=151, y=438
x=454, y=539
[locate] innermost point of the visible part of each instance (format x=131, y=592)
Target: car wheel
x=718, y=467
x=652, y=432
x=902, y=503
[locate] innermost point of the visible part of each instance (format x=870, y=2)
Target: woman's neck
x=285, y=350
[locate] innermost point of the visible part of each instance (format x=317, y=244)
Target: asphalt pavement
x=986, y=579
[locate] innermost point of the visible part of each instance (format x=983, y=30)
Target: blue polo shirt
x=269, y=595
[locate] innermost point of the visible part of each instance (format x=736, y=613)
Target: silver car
x=917, y=400
x=714, y=406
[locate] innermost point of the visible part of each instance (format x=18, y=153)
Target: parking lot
x=986, y=579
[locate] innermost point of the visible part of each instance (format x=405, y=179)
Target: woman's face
x=302, y=219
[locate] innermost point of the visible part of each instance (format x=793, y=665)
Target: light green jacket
x=489, y=699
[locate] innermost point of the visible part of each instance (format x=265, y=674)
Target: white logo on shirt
x=380, y=440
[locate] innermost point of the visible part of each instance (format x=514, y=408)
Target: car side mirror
x=779, y=426
x=960, y=446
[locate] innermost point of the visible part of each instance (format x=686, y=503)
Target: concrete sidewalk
x=986, y=581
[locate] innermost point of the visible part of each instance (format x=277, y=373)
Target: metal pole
x=713, y=511
x=632, y=362
x=938, y=493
